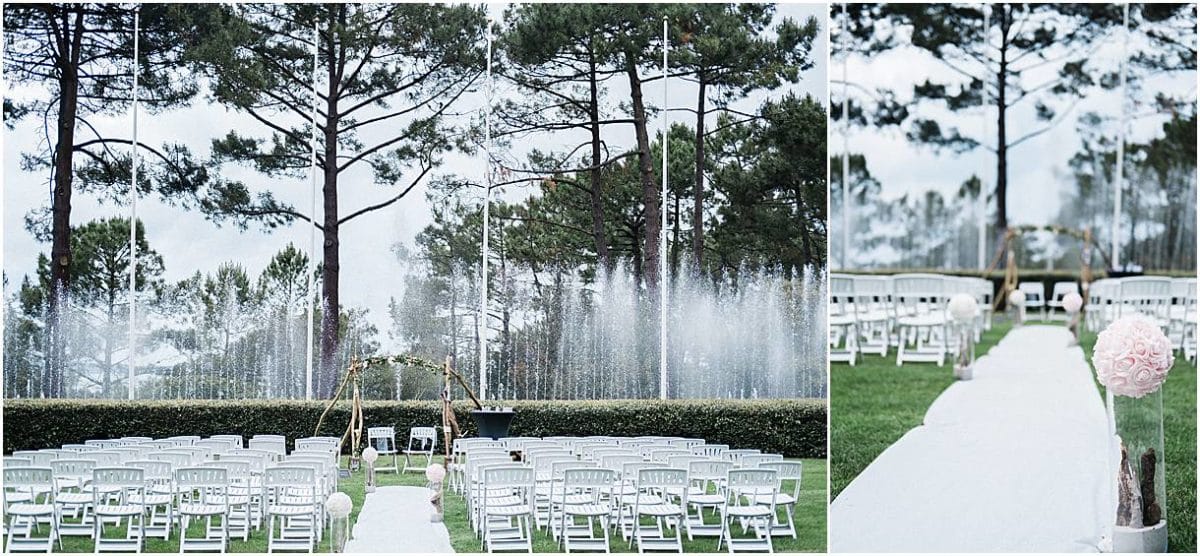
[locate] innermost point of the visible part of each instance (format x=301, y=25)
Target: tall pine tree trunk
x=69, y=39
x=650, y=192
x=597, y=194
x=1002, y=133
x=331, y=267
x=698, y=192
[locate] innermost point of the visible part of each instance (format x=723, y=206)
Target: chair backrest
x=274, y=445
x=1061, y=289
x=588, y=477
x=1147, y=295
x=159, y=444
x=256, y=463
x=215, y=445
x=423, y=434
x=756, y=481
x=133, y=440
x=202, y=478
x=103, y=458
x=682, y=461
x=787, y=471
x=238, y=472
x=756, y=460
x=36, y=478
x=36, y=458
x=508, y=476
x=383, y=439
x=736, y=455
x=662, y=477
x=126, y=454
x=118, y=477
x=665, y=454
x=176, y=459
x=687, y=443
x=557, y=468
x=184, y=440
x=81, y=447
x=289, y=476
x=918, y=293
x=709, y=470
x=73, y=468
x=234, y=439
x=103, y=443
x=841, y=294
x=11, y=461
x=156, y=471
x=710, y=450
x=274, y=437
x=617, y=462
x=1035, y=292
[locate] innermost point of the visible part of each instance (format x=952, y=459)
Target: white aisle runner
x=1011, y=461
x=396, y=519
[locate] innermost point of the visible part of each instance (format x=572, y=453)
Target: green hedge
x=795, y=428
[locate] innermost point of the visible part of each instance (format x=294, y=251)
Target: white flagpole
x=845, y=142
x=1120, y=181
x=987, y=27
x=133, y=197
x=487, y=206
x=662, y=239
x=312, y=229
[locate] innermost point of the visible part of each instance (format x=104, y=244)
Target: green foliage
x=795, y=428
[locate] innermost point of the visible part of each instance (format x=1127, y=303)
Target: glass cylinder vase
x=339, y=533
x=964, y=359
x=1141, y=486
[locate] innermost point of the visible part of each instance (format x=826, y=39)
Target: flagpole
x=845, y=142
x=662, y=239
x=1120, y=176
x=487, y=207
x=982, y=205
x=312, y=229
x=133, y=198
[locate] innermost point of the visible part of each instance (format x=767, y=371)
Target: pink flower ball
x=1132, y=357
x=1072, y=302
x=435, y=473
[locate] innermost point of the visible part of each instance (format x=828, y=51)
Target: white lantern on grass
x=1132, y=358
x=369, y=456
x=1016, y=302
x=963, y=310
x=338, y=506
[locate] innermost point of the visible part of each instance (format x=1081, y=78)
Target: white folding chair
x=752, y=483
x=920, y=308
x=651, y=502
x=586, y=494
x=72, y=497
x=422, y=441
x=842, y=322
x=707, y=478
x=787, y=471
x=125, y=504
x=294, y=514
x=1057, y=293
x=38, y=484
x=237, y=497
x=1035, y=297
x=158, y=497
x=507, y=508
x=202, y=493
x=383, y=439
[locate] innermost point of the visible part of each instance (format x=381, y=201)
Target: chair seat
x=747, y=511
x=503, y=511
x=289, y=510
x=201, y=509
x=30, y=510
x=118, y=510
x=646, y=499
x=587, y=509
x=503, y=500
x=660, y=510
x=922, y=320
x=17, y=497
x=74, y=498
x=841, y=320
x=234, y=500
x=706, y=499
x=295, y=500
x=780, y=499
x=151, y=499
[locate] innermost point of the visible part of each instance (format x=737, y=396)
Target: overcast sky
x=1039, y=178
x=371, y=273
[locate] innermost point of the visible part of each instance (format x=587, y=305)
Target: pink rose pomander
x=1132, y=357
x=435, y=473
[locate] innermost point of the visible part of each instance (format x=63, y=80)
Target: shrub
x=795, y=428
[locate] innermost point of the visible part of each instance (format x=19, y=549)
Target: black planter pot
x=493, y=424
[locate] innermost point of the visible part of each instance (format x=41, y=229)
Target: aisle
x=1012, y=461
x=396, y=519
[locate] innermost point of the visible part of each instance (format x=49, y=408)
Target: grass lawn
x=810, y=517
x=875, y=402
